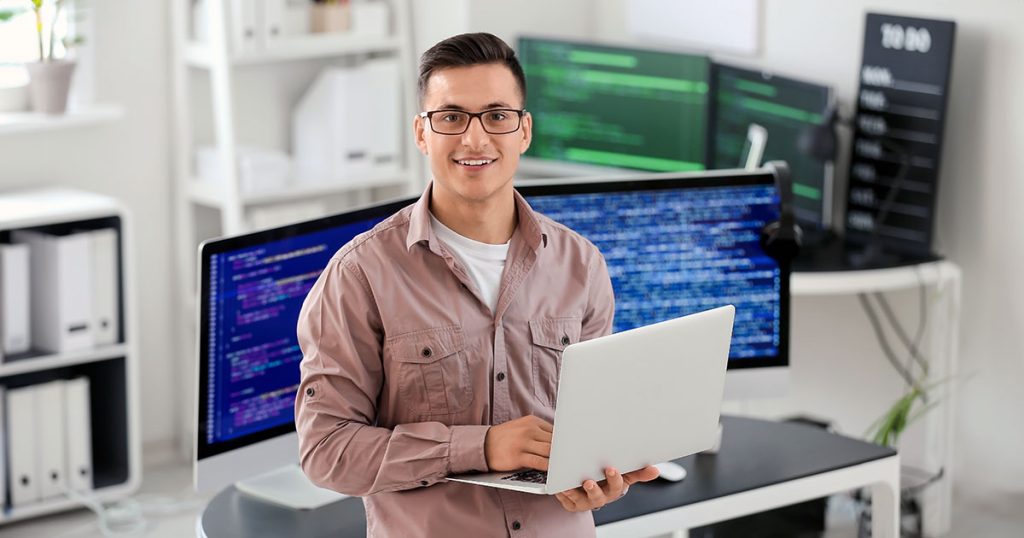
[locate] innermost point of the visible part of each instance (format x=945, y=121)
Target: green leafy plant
x=901, y=414
x=44, y=34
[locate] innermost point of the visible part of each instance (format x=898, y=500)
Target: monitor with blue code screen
x=252, y=288
x=676, y=244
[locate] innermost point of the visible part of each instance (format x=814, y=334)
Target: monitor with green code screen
x=787, y=109
x=613, y=106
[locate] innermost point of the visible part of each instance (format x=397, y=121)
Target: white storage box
x=259, y=170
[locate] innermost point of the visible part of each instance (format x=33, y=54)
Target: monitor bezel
x=227, y=244
x=684, y=180
x=828, y=181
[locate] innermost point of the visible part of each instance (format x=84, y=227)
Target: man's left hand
x=593, y=495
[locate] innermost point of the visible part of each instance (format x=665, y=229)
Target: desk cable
x=128, y=517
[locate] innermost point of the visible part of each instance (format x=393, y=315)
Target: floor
x=170, y=508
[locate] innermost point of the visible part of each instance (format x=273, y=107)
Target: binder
x=60, y=290
x=383, y=97
x=78, y=433
x=15, y=327
x=105, y=291
x=24, y=486
x=50, y=441
x=329, y=128
x=245, y=34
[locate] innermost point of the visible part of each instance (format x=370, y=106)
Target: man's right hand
x=523, y=443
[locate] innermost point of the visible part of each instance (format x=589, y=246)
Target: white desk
x=762, y=465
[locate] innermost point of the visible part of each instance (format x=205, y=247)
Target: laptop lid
x=650, y=394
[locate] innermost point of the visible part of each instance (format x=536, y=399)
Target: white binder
x=60, y=290
x=78, y=434
x=24, y=485
x=15, y=327
x=245, y=26
x=105, y=292
x=50, y=439
x=382, y=96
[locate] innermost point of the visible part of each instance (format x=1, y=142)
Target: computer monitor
x=610, y=106
x=786, y=108
x=252, y=287
x=676, y=244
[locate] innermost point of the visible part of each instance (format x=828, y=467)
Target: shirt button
x=516, y=526
x=565, y=340
x=309, y=391
x=426, y=352
x=501, y=376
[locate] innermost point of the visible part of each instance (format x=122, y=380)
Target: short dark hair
x=465, y=50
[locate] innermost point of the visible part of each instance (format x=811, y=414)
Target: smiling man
x=431, y=344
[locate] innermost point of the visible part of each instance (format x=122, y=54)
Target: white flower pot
x=49, y=85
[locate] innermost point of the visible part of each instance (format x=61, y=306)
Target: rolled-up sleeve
x=342, y=374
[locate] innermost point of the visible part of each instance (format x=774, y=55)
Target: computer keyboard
x=531, y=476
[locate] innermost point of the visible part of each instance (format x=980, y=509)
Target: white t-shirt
x=483, y=262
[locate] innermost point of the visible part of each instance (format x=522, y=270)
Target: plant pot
x=49, y=85
x=913, y=483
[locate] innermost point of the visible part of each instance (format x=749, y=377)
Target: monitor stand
x=288, y=486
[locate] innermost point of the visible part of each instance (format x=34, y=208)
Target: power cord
x=913, y=346
x=132, y=516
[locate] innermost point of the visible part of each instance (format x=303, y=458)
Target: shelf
x=296, y=48
x=873, y=280
x=35, y=207
x=58, y=504
x=38, y=363
x=212, y=195
x=29, y=122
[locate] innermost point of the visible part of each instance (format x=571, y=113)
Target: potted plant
x=886, y=431
x=50, y=77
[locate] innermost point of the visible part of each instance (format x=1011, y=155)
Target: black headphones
x=781, y=239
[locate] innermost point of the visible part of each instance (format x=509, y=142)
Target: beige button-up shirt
x=405, y=367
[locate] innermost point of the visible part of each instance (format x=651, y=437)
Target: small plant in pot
x=50, y=76
x=886, y=431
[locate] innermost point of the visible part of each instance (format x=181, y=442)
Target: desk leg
x=885, y=510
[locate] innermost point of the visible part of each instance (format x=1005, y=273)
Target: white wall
x=129, y=160
x=981, y=194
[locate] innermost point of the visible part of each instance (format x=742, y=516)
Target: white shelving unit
x=28, y=122
x=944, y=279
x=231, y=110
x=112, y=369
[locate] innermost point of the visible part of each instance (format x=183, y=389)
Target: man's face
x=475, y=165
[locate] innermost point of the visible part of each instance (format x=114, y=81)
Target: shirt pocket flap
x=425, y=347
x=555, y=333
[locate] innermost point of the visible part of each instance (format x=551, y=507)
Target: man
x=431, y=343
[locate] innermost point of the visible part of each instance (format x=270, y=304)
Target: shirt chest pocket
x=549, y=337
x=433, y=371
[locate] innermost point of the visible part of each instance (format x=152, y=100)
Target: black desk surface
x=754, y=454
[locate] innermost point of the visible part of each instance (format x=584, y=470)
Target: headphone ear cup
x=781, y=242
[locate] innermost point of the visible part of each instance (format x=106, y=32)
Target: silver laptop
x=632, y=399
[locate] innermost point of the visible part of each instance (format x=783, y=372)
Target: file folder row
x=47, y=440
x=59, y=293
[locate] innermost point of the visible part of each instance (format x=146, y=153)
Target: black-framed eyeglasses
x=455, y=122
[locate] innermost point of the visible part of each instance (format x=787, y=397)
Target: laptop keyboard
x=531, y=476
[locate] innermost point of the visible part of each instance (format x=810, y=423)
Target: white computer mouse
x=673, y=472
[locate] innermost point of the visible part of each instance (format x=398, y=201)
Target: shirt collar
x=419, y=222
